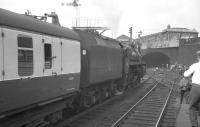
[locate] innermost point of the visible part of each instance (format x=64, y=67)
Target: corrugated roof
x=11, y=19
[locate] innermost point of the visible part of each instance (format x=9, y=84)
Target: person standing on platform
x=184, y=87
x=194, y=71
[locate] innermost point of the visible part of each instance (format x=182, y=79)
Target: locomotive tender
x=47, y=68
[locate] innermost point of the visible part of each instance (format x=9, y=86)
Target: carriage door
x=52, y=56
x=47, y=70
x=1, y=55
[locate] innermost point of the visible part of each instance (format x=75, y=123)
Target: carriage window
x=25, y=55
x=48, y=56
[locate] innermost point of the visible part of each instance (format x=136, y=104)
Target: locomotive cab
x=134, y=66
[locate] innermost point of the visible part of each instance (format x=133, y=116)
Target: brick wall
x=187, y=53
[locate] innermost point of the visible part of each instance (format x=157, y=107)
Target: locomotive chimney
x=168, y=26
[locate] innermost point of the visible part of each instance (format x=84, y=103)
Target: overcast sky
x=149, y=16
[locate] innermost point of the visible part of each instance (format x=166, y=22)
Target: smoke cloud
x=111, y=13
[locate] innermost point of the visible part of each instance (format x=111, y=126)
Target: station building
x=168, y=37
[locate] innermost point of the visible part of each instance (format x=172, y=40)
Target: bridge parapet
x=189, y=41
x=163, y=44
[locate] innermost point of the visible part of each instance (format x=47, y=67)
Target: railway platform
x=183, y=119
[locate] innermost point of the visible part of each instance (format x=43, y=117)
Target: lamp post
x=131, y=33
x=139, y=42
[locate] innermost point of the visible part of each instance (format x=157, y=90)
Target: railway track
x=148, y=111
x=105, y=114
x=85, y=116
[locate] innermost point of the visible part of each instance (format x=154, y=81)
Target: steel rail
x=125, y=114
x=164, y=107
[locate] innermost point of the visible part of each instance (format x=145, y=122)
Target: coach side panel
x=36, y=71
x=71, y=56
x=10, y=54
x=23, y=55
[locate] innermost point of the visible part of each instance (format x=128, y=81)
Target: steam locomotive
x=47, y=69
